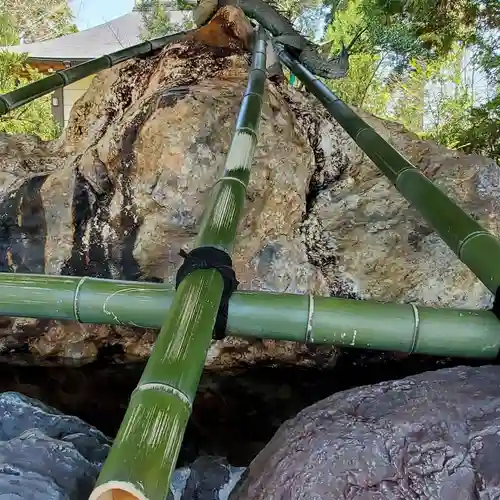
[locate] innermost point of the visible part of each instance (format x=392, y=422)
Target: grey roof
x=114, y=35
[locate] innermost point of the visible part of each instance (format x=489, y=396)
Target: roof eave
x=72, y=61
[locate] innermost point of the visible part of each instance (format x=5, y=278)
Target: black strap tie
x=211, y=258
x=496, y=304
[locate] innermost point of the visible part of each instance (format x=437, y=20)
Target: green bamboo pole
x=475, y=247
x=316, y=320
x=145, y=451
x=32, y=91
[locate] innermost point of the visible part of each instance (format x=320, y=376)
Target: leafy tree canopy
x=306, y=14
x=37, y=20
x=31, y=21
x=432, y=65
x=34, y=118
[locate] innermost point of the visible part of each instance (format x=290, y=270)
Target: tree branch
x=370, y=81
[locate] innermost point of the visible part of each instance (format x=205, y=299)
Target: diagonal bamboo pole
x=478, y=249
x=144, y=454
x=316, y=320
x=32, y=91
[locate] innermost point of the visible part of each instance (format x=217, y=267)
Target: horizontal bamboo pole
x=478, y=249
x=300, y=318
x=32, y=91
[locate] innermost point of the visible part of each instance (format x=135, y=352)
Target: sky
x=90, y=13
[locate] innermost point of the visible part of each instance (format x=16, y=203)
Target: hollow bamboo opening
x=116, y=490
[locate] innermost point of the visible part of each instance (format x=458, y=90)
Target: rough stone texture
x=372, y=243
x=432, y=436
x=45, y=454
x=128, y=184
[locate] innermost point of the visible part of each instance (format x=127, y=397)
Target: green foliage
x=157, y=20
x=473, y=129
x=8, y=32
x=294, y=9
x=436, y=100
x=373, y=51
x=33, y=21
x=374, y=32
x=308, y=17
x=37, y=20
x=362, y=87
x=406, y=29
x=34, y=118
x=437, y=24
x=306, y=14
x=408, y=64
x=483, y=133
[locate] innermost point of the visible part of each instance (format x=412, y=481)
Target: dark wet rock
x=432, y=436
x=45, y=454
x=207, y=478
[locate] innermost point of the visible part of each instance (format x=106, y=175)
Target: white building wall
x=72, y=93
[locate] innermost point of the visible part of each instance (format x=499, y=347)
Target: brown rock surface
x=371, y=242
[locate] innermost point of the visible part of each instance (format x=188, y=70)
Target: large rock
x=432, y=436
x=123, y=190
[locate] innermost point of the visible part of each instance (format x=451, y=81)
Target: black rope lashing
x=496, y=304
x=211, y=258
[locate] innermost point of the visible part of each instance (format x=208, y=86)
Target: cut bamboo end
x=117, y=490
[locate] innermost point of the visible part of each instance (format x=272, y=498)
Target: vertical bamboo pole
x=475, y=247
x=145, y=450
